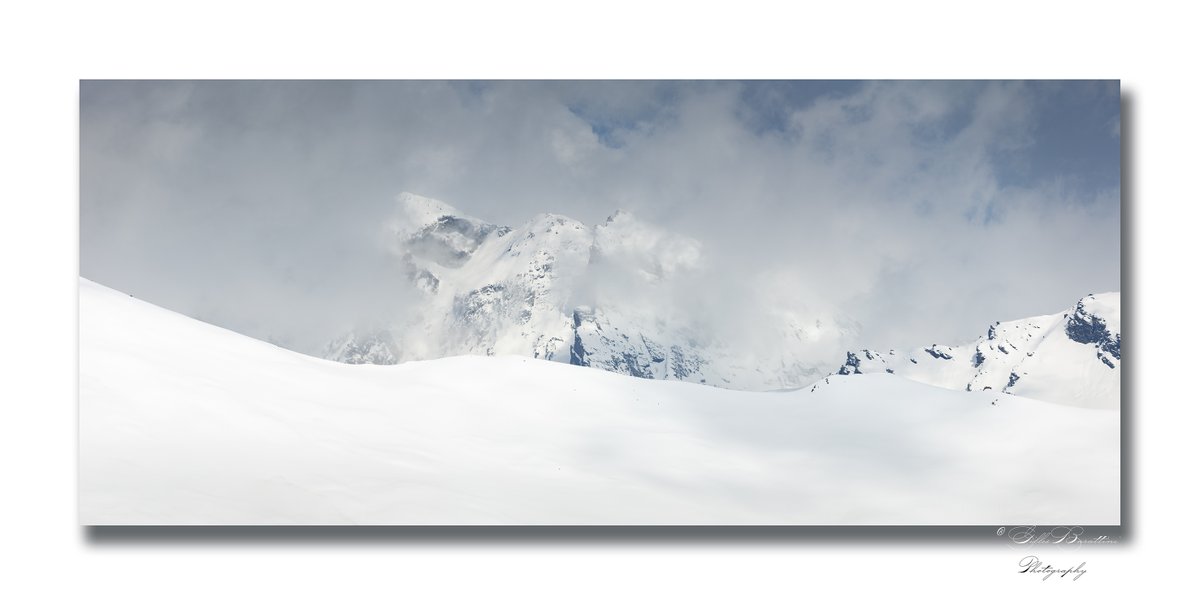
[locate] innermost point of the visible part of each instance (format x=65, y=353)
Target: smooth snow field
x=182, y=422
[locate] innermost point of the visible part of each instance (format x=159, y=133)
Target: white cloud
x=887, y=205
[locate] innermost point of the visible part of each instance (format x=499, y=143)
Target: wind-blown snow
x=182, y=422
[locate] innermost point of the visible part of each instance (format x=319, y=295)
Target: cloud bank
x=920, y=211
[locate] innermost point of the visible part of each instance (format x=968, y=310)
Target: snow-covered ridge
x=1072, y=357
x=182, y=422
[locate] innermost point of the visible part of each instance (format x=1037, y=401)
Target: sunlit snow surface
x=182, y=422
x=1072, y=357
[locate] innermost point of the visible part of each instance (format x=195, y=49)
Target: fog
x=918, y=211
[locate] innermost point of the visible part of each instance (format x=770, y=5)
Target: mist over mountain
x=623, y=296
x=628, y=297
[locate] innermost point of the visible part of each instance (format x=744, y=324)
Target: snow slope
x=182, y=422
x=1072, y=357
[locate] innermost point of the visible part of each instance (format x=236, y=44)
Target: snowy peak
x=554, y=288
x=607, y=297
x=481, y=288
x=430, y=231
x=1072, y=357
x=550, y=238
x=449, y=241
x=414, y=212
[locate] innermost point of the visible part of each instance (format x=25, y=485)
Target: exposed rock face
x=1085, y=327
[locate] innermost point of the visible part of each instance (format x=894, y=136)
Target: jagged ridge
x=1073, y=357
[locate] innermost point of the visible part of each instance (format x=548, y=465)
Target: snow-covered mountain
x=182, y=422
x=601, y=296
x=1072, y=357
x=609, y=296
